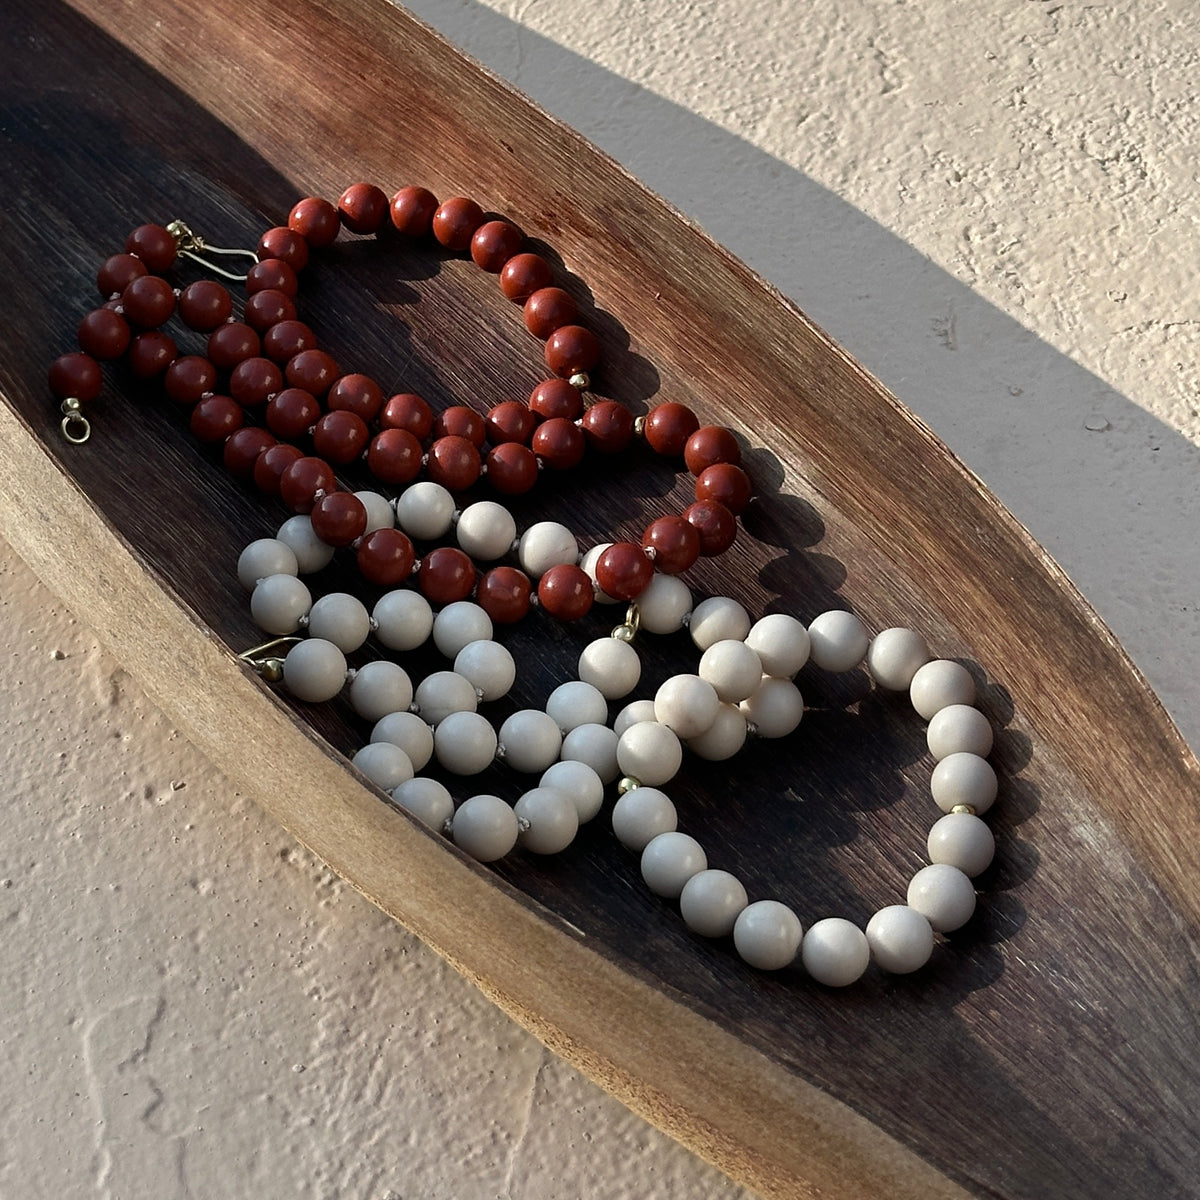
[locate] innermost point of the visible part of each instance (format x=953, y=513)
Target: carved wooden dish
x=1050, y=1049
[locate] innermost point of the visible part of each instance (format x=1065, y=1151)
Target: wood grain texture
x=1050, y=1049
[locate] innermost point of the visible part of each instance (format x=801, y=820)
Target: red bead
x=359, y=394
x=510, y=421
x=559, y=443
x=727, y=484
x=315, y=220
x=117, y=273
x=302, y=484
x=460, y=421
x=556, y=398
x=364, y=208
x=394, y=456
x=103, y=334
x=608, y=426
x=188, y=378
x=232, y=343
x=312, y=370
x=254, y=381
x=446, y=575
x=243, y=448
x=572, y=350
x=455, y=222
x=623, y=571
x=270, y=465
x=204, y=305
x=340, y=437
x=675, y=543
x=284, y=244
x=76, y=375
x=711, y=444
x=548, y=309
x=287, y=339
x=494, y=243
x=339, y=518
x=566, y=592
x=715, y=524
x=148, y=301
x=272, y=273
x=386, y=557
x=453, y=462
x=412, y=211
x=512, y=469
x=523, y=275
x=503, y=594
x=668, y=427
x=407, y=410
x=292, y=413
x=153, y=245
x=150, y=354
x=267, y=308
x=215, y=418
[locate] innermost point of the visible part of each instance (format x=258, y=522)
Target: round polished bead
x=205, y=305
x=379, y=511
x=270, y=465
x=963, y=841
x=733, y=669
x=572, y=350
x=265, y=309
x=425, y=511
x=781, y=643
x=726, y=484
x=403, y=619
x=650, y=753
x=548, y=309
x=339, y=518
x=315, y=220
x=408, y=411
x=355, y=393
x=611, y=666
x=445, y=575
x=631, y=714
x=595, y=745
x=665, y=604
x=363, y=208
x=459, y=624
x=312, y=370
x=718, y=619
x=148, y=301
x=715, y=524
x=939, y=684
x=668, y=427
x=685, y=704
x=767, y=935
x=943, y=895
x=76, y=375
x=455, y=222
x=531, y=740
x=340, y=437
x=546, y=544
x=669, y=861
x=385, y=765
x=426, y=799
x=711, y=444
x=283, y=244
x=454, y=463
x=394, y=457
x=279, y=603
x=254, y=381
x=489, y=666
x=556, y=398
x=838, y=641
x=512, y=469
x=286, y=339
x=494, y=243
x=566, y=592
x=624, y=570
x=232, y=343
x=504, y=594
x=608, y=426
x=465, y=743
x=304, y=482
x=103, y=334
x=558, y=443
x=576, y=703
x=640, y=815
x=271, y=273
x=117, y=272
x=311, y=553
x=386, y=557
x=673, y=543
x=522, y=275
x=314, y=671
x=711, y=902
x=485, y=828
x=154, y=245
x=412, y=210
x=723, y=738
x=959, y=729
x=242, y=449
x=510, y=421
x=962, y=778
x=549, y=820
x=408, y=731
x=263, y=557
x=835, y=952
x=442, y=693
x=895, y=657
x=580, y=782
x=379, y=688
x=460, y=421
x=774, y=708
x=342, y=619
x=291, y=413
x=150, y=354
x=900, y=939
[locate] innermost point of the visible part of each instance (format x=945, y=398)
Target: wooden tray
x=1051, y=1048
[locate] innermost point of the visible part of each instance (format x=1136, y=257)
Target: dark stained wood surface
x=1051, y=1048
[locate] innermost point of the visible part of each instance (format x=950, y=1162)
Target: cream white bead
x=711, y=902
x=895, y=657
x=485, y=828
x=266, y=556
x=669, y=861
x=576, y=703
x=595, y=745
x=279, y=603
x=775, y=708
x=650, y=753
x=665, y=604
x=442, y=693
x=489, y=666
x=640, y=815
x=531, y=740
x=385, y=765
x=838, y=641
x=631, y=714
x=733, y=668
x=686, y=704
x=964, y=779
x=963, y=841
x=610, y=665
x=311, y=553
x=379, y=688
x=486, y=530
x=427, y=800
x=588, y=565
x=900, y=938
x=959, y=729
x=403, y=619
x=718, y=619
x=342, y=619
x=425, y=511
x=781, y=643
x=458, y=625
x=767, y=935
x=938, y=684
x=544, y=545
x=578, y=781
x=835, y=952
x=943, y=895
x=379, y=511
x=465, y=743
x=723, y=738
x=314, y=671
x=410, y=733
x=552, y=818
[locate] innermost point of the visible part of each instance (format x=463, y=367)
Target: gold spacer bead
x=624, y=633
x=639, y=426
x=271, y=670
x=964, y=808
x=627, y=783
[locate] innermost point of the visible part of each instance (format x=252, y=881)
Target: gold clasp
x=628, y=630
x=75, y=426
x=264, y=664
x=192, y=245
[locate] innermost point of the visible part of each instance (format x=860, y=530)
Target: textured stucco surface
x=994, y=207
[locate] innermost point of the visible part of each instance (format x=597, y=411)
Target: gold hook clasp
x=75, y=426
x=192, y=245
x=628, y=630
x=263, y=663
